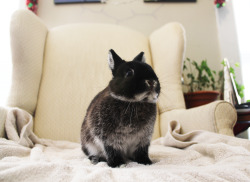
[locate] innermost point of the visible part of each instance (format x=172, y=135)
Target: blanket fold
x=194, y=156
x=173, y=138
x=19, y=127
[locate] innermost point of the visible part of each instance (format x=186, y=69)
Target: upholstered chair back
x=58, y=71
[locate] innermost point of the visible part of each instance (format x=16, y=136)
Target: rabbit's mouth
x=147, y=96
x=152, y=97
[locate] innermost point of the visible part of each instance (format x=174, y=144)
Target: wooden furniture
x=243, y=122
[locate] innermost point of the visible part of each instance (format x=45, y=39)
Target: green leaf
x=221, y=73
x=204, y=63
x=196, y=66
x=231, y=70
x=223, y=62
x=209, y=72
x=237, y=64
x=30, y=5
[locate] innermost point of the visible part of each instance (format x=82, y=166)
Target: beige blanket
x=196, y=156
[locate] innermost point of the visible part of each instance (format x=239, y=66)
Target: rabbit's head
x=133, y=81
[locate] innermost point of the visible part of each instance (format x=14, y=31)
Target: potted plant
x=200, y=82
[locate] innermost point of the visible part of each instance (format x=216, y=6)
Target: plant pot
x=195, y=99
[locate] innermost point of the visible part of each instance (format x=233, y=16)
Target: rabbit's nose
x=151, y=83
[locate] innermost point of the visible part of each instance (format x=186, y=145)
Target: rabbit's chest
x=134, y=115
x=128, y=138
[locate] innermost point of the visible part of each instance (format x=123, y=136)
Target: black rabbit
x=119, y=122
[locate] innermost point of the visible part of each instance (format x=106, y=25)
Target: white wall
x=198, y=18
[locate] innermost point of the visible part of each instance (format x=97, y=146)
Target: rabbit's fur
x=119, y=122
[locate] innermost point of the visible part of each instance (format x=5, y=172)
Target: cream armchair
x=57, y=72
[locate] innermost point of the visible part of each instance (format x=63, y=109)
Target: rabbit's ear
x=140, y=57
x=114, y=60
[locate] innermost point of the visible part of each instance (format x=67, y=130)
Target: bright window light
x=6, y=10
x=242, y=14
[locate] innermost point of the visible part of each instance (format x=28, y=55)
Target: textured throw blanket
x=196, y=156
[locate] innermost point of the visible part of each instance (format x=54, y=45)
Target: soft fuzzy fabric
x=196, y=156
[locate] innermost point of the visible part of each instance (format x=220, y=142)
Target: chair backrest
x=60, y=70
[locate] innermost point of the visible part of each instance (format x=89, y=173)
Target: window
x=242, y=14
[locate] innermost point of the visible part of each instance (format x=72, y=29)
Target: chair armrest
x=3, y=115
x=218, y=116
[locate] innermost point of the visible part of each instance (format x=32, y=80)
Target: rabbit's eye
x=129, y=73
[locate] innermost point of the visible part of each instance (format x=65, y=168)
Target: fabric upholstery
x=75, y=70
x=219, y=117
x=28, y=36
x=225, y=118
x=167, y=47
